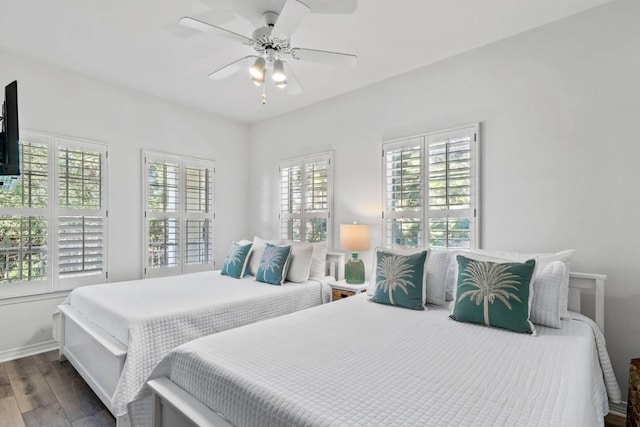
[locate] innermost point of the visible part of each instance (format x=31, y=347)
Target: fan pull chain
x=264, y=93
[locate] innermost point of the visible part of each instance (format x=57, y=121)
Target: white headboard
x=335, y=265
x=578, y=282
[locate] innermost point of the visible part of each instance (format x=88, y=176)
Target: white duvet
x=153, y=316
x=357, y=363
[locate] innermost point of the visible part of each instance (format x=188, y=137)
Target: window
x=178, y=214
x=431, y=190
x=305, y=198
x=53, y=223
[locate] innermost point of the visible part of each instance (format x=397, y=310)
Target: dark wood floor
x=40, y=391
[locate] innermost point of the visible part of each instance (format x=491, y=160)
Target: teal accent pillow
x=273, y=264
x=236, y=260
x=494, y=294
x=399, y=279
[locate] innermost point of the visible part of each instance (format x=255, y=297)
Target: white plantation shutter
x=81, y=212
x=452, y=175
x=178, y=223
x=291, y=201
x=305, y=198
x=198, y=191
x=430, y=183
x=24, y=227
x=402, y=192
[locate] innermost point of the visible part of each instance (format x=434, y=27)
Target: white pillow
x=299, y=262
x=564, y=257
x=319, y=259
x=256, y=253
x=371, y=288
x=437, y=265
x=547, y=283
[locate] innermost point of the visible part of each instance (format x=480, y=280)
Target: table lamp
x=355, y=238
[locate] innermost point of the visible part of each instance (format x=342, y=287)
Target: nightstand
x=633, y=400
x=341, y=289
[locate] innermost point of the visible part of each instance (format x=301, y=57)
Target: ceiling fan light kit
x=272, y=44
x=257, y=70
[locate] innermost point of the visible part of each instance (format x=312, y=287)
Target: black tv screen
x=10, y=138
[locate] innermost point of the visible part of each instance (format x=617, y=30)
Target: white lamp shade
x=257, y=69
x=278, y=71
x=355, y=237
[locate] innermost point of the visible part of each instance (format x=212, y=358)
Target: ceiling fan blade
x=293, y=86
x=216, y=16
x=234, y=67
x=324, y=57
x=290, y=18
x=219, y=31
x=332, y=6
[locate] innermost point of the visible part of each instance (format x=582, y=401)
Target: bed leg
x=123, y=421
x=156, y=420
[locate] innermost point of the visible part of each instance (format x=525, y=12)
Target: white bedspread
x=357, y=363
x=153, y=316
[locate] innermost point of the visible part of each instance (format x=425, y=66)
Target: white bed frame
x=173, y=406
x=99, y=358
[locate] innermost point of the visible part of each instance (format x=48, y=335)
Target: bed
x=330, y=365
x=114, y=342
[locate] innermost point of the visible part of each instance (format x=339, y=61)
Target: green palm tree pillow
x=399, y=279
x=273, y=264
x=236, y=260
x=494, y=294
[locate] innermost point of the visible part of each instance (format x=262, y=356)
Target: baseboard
x=619, y=409
x=28, y=350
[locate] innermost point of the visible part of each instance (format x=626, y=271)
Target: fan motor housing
x=263, y=40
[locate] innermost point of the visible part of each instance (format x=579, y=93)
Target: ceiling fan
x=272, y=44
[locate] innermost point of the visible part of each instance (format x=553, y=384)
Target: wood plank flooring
x=39, y=391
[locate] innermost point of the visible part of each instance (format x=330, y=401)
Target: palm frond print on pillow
x=395, y=272
x=492, y=281
x=272, y=258
x=235, y=255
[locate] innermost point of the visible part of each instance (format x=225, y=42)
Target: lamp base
x=354, y=270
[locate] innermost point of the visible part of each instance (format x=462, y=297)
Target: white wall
x=58, y=102
x=559, y=107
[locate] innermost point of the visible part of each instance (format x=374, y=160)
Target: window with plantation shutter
x=81, y=211
x=431, y=190
x=305, y=198
x=53, y=222
x=178, y=222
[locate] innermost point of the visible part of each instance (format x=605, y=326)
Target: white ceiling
x=138, y=44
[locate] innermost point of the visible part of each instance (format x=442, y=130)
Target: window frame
x=182, y=215
x=424, y=214
x=53, y=283
x=303, y=215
